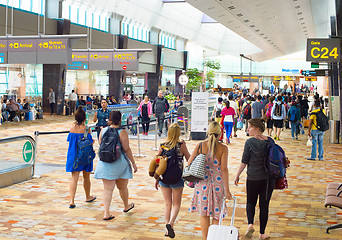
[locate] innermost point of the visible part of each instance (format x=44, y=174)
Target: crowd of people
x=257, y=112
x=12, y=109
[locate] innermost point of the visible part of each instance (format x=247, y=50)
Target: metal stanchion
x=138, y=133
x=156, y=137
x=36, y=134
x=186, y=128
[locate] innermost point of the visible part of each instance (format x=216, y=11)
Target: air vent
x=252, y=26
x=239, y=15
x=269, y=40
x=246, y=21
x=231, y=8
x=261, y=34
x=257, y=30
x=265, y=37
x=300, y=19
x=302, y=23
x=299, y=13
x=296, y=7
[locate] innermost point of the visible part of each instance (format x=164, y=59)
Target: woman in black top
x=258, y=184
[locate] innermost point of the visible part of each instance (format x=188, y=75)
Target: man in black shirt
x=160, y=108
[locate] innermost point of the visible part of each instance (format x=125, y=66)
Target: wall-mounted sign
x=79, y=61
x=317, y=72
x=125, y=61
x=323, y=50
x=100, y=60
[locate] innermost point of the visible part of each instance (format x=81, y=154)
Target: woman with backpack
x=258, y=184
x=294, y=117
x=268, y=110
x=172, y=183
x=210, y=193
x=76, y=133
x=119, y=171
x=227, y=120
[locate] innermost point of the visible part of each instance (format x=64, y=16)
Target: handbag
x=239, y=124
x=309, y=142
x=281, y=183
x=195, y=172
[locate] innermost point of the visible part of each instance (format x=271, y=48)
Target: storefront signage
x=312, y=79
x=277, y=78
x=323, y=50
x=199, y=109
x=245, y=78
x=125, y=61
x=294, y=71
x=100, y=60
x=79, y=61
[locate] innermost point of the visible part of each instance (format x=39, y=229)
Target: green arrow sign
x=27, y=151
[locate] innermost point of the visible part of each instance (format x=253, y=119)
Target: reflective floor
x=38, y=209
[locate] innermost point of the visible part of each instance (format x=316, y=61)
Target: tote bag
x=195, y=172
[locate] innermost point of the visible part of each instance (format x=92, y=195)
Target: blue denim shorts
x=179, y=184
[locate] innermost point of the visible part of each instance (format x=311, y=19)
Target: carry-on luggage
x=221, y=232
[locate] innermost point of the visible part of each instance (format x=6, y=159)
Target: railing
x=28, y=152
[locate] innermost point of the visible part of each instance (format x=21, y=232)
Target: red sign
x=124, y=67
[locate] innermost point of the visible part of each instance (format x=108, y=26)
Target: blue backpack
x=293, y=112
x=85, y=151
x=276, y=160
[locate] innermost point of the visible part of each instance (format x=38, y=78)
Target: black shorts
x=278, y=123
x=270, y=123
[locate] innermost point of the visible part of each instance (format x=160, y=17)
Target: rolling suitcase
x=221, y=232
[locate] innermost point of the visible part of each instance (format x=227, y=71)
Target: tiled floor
x=38, y=209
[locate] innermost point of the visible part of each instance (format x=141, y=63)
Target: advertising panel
x=199, y=111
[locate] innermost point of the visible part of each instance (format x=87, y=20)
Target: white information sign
x=134, y=80
x=183, y=79
x=199, y=111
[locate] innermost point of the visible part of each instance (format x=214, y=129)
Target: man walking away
x=73, y=100
x=278, y=115
x=52, y=100
x=257, y=108
x=293, y=115
x=160, y=108
x=317, y=121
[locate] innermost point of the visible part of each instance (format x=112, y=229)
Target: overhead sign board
x=79, y=61
x=323, y=50
x=35, y=51
x=3, y=51
x=317, y=72
x=125, y=61
x=245, y=78
x=100, y=60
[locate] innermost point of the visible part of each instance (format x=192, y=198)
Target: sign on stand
x=199, y=115
x=28, y=151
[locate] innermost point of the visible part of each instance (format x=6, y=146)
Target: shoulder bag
x=195, y=172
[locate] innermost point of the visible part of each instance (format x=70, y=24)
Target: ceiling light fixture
x=231, y=8
x=239, y=15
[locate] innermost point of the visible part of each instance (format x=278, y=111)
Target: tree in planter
x=195, y=80
x=211, y=65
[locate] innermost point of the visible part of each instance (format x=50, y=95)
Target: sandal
x=109, y=218
x=132, y=206
x=249, y=233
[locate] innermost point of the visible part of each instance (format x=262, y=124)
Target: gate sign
x=28, y=151
x=125, y=61
x=183, y=79
x=323, y=50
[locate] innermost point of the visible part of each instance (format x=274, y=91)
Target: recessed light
x=297, y=7
x=231, y=8
x=301, y=19
x=239, y=15
x=261, y=34
x=252, y=26
x=299, y=13
x=246, y=21
x=257, y=30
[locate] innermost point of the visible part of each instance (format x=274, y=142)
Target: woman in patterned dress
x=210, y=192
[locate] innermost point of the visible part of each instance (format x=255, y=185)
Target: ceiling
x=277, y=27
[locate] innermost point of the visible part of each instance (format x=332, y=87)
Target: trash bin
x=334, y=131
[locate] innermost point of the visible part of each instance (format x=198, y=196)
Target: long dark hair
x=80, y=115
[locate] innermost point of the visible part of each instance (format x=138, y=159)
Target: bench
x=334, y=199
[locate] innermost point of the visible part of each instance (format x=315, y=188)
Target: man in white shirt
x=72, y=100
x=234, y=105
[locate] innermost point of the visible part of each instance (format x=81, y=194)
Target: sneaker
x=296, y=137
x=293, y=139
x=311, y=159
x=275, y=137
x=159, y=134
x=146, y=133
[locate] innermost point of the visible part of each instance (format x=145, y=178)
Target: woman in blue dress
x=118, y=172
x=77, y=132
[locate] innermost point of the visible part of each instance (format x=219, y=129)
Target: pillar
x=154, y=79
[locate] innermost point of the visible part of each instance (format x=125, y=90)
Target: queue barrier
x=18, y=172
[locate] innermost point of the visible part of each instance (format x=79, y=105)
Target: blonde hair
x=214, y=132
x=173, y=135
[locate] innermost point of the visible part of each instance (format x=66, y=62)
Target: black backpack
x=174, y=169
x=278, y=109
x=110, y=149
x=322, y=121
x=218, y=111
x=247, y=112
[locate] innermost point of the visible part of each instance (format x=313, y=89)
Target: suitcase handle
x=233, y=213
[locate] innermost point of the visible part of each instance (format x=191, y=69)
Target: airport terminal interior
x=165, y=65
